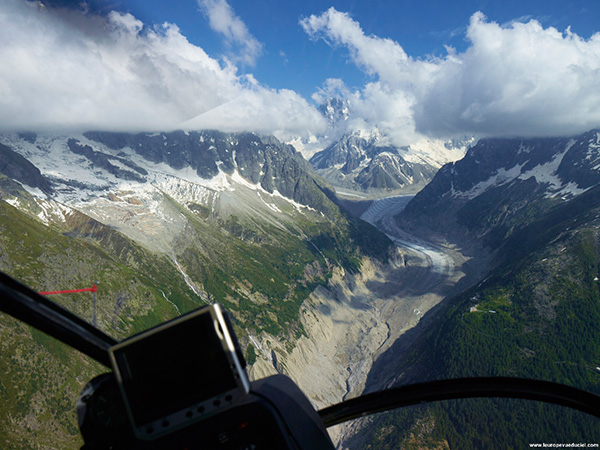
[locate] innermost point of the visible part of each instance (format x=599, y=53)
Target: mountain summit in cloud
x=73, y=68
x=517, y=79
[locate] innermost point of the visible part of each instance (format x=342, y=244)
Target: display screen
x=173, y=369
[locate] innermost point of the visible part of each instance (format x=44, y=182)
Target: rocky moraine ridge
x=262, y=160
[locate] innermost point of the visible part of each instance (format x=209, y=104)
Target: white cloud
x=73, y=71
x=333, y=87
x=521, y=79
x=265, y=111
x=516, y=79
x=222, y=19
x=376, y=56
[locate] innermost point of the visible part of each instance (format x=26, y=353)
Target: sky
x=411, y=69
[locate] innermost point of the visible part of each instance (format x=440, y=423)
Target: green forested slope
x=260, y=273
x=537, y=316
x=40, y=377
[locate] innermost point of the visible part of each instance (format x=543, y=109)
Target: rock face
x=131, y=171
x=245, y=237
x=262, y=160
x=344, y=327
x=18, y=168
x=335, y=110
x=500, y=184
x=364, y=164
x=367, y=163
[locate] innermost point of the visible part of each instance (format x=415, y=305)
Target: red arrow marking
x=94, y=288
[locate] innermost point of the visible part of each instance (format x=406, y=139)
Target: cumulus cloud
x=376, y=56
x=516, y=79
x=254, y=109
x=520, y=79
x=333, y=87
x=222, y=19
x=69, y=70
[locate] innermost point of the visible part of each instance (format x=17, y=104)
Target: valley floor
x=358, y=317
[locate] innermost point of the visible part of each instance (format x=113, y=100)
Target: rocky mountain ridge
x=532, y=208
x=367, y=163
x=502, y=183
x=335, y=110
x=162, y=239
x=262, y=160
x=15, y=166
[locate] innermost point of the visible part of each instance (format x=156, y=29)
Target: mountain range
x=367, y=163
x=527, y=209
x=167, y=222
